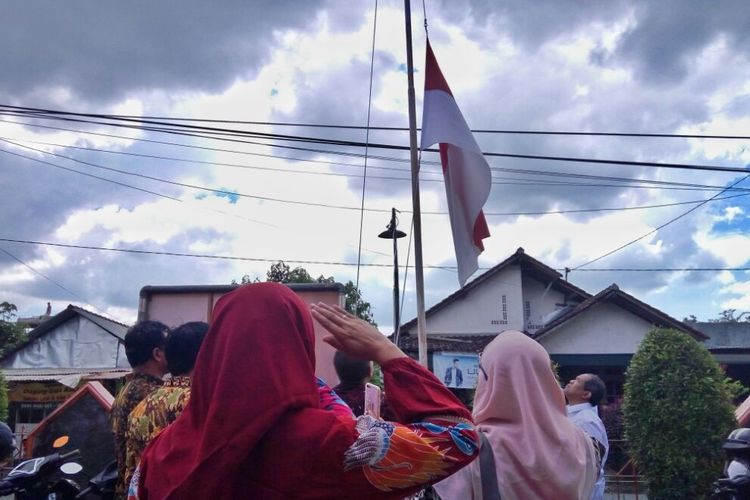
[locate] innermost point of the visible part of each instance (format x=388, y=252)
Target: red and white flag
x=467, y=174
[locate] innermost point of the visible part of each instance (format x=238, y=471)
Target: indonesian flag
x=467, y=174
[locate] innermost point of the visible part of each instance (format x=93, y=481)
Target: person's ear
x=586, y=395
x=158, y=355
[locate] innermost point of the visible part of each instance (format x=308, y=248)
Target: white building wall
x=77, y=343
x=537, y=304
x=481, y=310
x=603, y=329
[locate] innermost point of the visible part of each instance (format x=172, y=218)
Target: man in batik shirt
x=163, y=406
x=144, y=348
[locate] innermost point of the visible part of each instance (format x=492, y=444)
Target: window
x=504, y=309
x=526, y=311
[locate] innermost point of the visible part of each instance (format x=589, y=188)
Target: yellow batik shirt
x=151, y=416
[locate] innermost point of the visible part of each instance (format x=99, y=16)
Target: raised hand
x=354, y=336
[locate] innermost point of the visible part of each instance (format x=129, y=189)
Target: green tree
x=281, y=272
x=11, y=333
x=677, y=414
x=729, y=316
x=3, y=399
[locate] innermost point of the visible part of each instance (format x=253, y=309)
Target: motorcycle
x=38, y=478
x=103, y=484
x=735, y=485
x=34, y=479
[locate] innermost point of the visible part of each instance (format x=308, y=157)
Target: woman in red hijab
x=254, y=427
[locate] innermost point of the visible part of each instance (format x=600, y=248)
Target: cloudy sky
x=669, y=67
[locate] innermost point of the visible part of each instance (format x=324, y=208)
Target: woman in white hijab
x=520, y=408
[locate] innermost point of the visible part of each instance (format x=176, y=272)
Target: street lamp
x=391, y=233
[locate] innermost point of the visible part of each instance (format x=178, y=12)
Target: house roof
x=66, y=376
x=529, y=266
x=724, y=335
x=458, y=343
x=149, y=290
x=114, y=328
x=626, y=301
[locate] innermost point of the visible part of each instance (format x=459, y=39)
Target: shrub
x=677, y=414
x=3, y=399
x=614, y=424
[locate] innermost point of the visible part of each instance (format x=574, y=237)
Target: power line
x=335, y=142
x=56, y=283
x=129, y=186
x=157, y=179
x=621, y=247
x=665, y=269
x=647, y=183
x=203, y=256
x=367, y=141
x=339, y=263
x=31, y=110
x=278, y=200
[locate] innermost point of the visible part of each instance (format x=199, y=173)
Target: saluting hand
x=354, y=336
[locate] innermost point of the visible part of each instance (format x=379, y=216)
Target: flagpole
x=419, y=274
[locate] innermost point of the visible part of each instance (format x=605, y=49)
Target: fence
x=624, y=483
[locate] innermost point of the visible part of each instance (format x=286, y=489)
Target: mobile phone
x=372, y=400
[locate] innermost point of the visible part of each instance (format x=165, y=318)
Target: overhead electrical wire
x=54, y=282
x=367, y=141
x=31, y=110
x=201, y=256
x=335, y=142
x=322, y=262
x=670, y=221
x=297, y=202
x=645, y=183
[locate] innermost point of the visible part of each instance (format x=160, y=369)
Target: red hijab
x=256, y=365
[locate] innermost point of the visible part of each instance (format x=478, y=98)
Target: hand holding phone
x=372, y=400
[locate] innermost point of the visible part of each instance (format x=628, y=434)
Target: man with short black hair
x=353, y=375
x=584, y=394
x=144, y=348
x=164, y=405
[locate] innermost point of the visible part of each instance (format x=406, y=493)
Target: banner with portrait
x=457, y=370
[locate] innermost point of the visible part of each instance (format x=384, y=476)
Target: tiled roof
x=437, y=343
x=725, y=335
x=528, y=264
x=613, y=294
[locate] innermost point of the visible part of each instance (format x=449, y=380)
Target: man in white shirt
x=584, y=393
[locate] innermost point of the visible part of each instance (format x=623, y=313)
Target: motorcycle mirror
x=71, y=468
x=60, y=442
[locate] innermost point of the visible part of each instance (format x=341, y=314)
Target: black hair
x=455, y=360
x=142, y=339
x=351, y=371
x=182, y=346
x=596, y=387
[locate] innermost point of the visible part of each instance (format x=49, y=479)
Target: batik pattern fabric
x=139, y=386
x=151, y=416
x=330, y=401
x=394, y=456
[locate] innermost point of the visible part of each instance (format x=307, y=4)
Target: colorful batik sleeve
x=331, y=401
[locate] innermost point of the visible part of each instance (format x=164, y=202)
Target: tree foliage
x=3, y=399
x=281, y=272
x=11, y=333
x=731, y=316
x=677, y=414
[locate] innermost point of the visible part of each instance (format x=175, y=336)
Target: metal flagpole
x=419, y=275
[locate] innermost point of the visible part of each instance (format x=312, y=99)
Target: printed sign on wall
x=457, y=370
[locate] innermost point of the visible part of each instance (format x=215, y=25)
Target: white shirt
x=586, y=417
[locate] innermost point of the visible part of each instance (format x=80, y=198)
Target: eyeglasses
x=481, y=368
